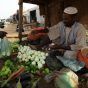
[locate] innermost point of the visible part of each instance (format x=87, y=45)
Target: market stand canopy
x=38, y=2
x=55, y=8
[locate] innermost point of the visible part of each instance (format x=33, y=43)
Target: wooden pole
x=47, y=13
x=20, y=20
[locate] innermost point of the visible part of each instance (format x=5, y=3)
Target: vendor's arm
x=44, y=41
x=54, y=32
x=56, y=46
x=80, y=41
x=54, y=35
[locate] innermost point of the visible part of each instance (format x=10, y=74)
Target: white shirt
x=80, y=38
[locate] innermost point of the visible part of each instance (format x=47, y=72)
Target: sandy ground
x=11, y=30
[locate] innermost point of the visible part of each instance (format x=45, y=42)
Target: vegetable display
x=33, y=60
x=5, y=72
x=7, y=69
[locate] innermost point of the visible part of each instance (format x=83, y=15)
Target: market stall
x=25, y=67
x=48, y=7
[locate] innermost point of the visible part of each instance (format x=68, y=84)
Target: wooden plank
x=38, y=2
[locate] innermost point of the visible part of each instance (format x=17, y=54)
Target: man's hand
x=53, y=46
x=58, y=52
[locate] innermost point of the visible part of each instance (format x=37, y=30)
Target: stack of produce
x=32, y=59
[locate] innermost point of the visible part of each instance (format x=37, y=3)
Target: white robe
x=54, y=33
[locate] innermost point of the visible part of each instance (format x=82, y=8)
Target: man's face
x=68, y=19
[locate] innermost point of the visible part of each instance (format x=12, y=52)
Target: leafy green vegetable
x=14, y=46
x=47, y=71
x=10, y=64
x=5, y=72
x=19, y=85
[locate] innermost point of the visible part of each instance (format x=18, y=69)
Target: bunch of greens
x=7, y=69
x=5, y=72
x=34, y=69
x=46, y=71
x=15, y=46
x=10, y=64
x=30, y=68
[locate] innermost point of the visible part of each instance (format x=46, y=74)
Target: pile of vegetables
x=32, y=60
x=14, y=46
x=7, y=69
x=5, y=72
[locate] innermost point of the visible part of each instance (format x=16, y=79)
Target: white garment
x=68, y=30
x=54, y=34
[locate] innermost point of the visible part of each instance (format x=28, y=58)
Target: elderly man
x=70, y=34
x=69, y=38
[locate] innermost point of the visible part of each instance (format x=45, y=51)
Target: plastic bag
x=66, y=79
x=5, y=48
x=73, y=64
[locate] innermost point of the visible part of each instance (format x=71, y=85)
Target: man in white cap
x=70, y=36
x=69, y=33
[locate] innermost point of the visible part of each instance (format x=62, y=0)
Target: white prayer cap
x=70, y=10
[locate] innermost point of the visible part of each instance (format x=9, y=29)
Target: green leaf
x=34, y=83
x=19, y=85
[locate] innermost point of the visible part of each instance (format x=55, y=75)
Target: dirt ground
x=10, y=28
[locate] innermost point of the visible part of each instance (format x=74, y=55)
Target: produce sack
x=66, y=79
x=83, y=56
x=73, y=64
x=5, y=48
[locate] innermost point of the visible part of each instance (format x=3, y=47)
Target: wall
x=52, y=12
x=27, y=14
x=82, y=6
x=55, y=9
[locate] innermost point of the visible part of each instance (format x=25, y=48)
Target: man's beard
x=68, y=24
